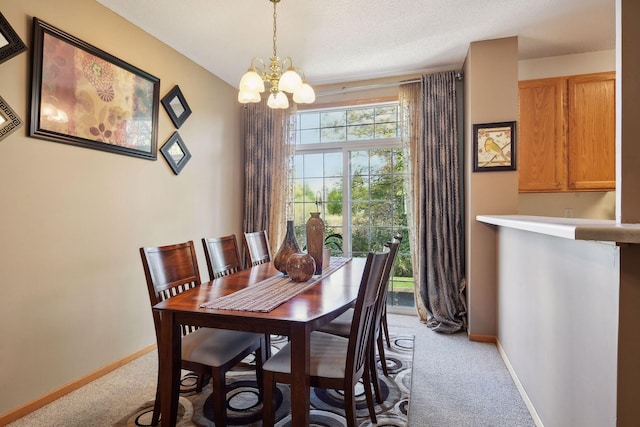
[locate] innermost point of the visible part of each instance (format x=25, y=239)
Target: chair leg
x=268, y=415
x=383, y=357
x=219, y=397
x=374, y=374
x=385, y=327
x=367, y=391
x=350, y=406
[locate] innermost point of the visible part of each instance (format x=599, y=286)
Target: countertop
x=569, y=228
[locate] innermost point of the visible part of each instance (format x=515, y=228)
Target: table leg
x=169, y=365
x=300, y=383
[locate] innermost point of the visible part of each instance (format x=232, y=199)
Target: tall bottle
x=289, y=246
x=315, y=239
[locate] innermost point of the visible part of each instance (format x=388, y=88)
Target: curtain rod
x=346, y=89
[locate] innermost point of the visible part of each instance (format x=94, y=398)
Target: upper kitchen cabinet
x=566, y=133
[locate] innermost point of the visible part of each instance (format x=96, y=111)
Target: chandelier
x=291, y=81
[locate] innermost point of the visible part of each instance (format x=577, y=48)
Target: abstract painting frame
x=10, y=43
x=84, y=96
x=494, y=147
x=176, y=153
x=177, y=107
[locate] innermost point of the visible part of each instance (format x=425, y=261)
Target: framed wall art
x=494, y=147
x=10, y=42
x=176, y=106
x=83, y=96
x=176, y=153
x=9, y=120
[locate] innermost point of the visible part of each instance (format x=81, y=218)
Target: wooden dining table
x=295, y=318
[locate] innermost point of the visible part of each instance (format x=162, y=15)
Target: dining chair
x=341, y=325
x=256, y=246
x=222, y=255
x=336, y=362
x=171, y=270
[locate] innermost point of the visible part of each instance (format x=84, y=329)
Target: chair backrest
x=169, y=270
x=393, y=246
x=223, y=257
x=256, y=245
x=363, y=314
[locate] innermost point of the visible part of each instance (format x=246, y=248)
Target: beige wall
x=591, y=204
x=491, y=95
x=74, y=297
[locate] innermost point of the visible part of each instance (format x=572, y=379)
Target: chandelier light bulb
x=251, y=82
x=290, y=81
x=304, y=95
x=278, y=100
x=244, y=97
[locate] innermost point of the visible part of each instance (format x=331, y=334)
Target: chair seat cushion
x=215, y=347
x=341, y=325
x=327, y=360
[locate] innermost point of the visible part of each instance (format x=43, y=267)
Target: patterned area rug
x=244, y=407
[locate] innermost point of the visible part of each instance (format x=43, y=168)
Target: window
x=350, y=166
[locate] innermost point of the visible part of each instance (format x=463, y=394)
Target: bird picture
x=493, y=147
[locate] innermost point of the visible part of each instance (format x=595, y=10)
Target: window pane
x=313, y=165
x=360, y=132
x=388, y=114
x=310, y=136
x=386, y=130
x=333, y=134
x=333, y=119
x=333, y=164
x=309, y=120
x=360, y=116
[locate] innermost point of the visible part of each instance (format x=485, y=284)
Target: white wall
x=594, y=205
x=558, y=324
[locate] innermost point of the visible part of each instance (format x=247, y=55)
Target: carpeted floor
x=455, y=383
x=327, y=406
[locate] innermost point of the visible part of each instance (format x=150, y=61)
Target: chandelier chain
x=275, y=38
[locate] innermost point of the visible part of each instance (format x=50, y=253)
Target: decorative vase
x=300, y=267
x=315, y=239
x=289, y=246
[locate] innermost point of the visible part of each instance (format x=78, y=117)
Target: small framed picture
x=9, y=120
x=176, y=106
x=494, y=147
x=176, y=153
x=10, y=42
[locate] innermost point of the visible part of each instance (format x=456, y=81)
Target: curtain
x=269, y=138
x=430, y=136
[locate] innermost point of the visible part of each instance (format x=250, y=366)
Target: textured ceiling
x=349, y=40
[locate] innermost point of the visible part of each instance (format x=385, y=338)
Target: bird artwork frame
x=494, y=147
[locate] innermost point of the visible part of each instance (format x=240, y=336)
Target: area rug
x=244, y=407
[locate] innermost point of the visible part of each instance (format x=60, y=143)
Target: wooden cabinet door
x=591, y=133
x=542, y=135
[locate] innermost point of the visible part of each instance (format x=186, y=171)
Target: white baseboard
x=521, y=390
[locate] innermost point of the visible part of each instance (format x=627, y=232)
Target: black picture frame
x=176, y=153
x=84, y=96
x=494, y=147
x=10, y=43
x=177, y=107
x=9, y=120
